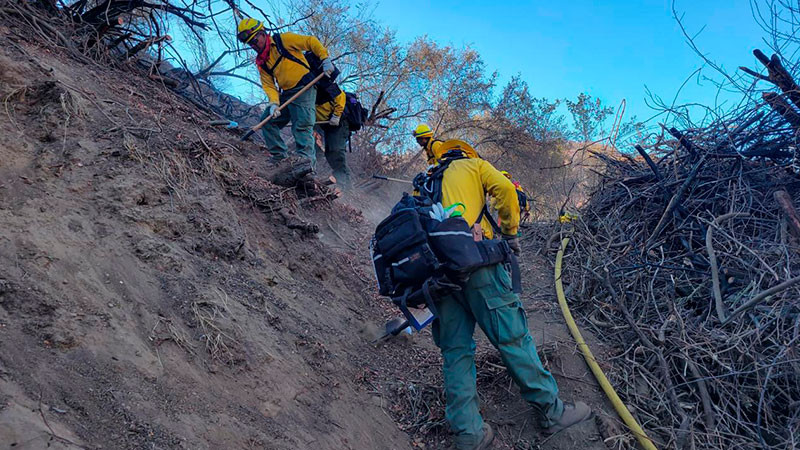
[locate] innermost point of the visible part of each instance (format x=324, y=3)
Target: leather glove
x=334, y=121
x=513, y=243
x=273, y=110
x=327, y=66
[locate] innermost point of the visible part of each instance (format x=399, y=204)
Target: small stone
x=5, y=286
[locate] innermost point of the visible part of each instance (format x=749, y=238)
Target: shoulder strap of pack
x=282, y=53
x=493, y=223
x=433, y=183
x=432, y=187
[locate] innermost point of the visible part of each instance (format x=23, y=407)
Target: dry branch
x=779, y=76
x=712, y=258
x=656, y=273
x=785, y=201
x=782, y=107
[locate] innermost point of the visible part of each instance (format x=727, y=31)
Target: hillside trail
x=156, y=293
x=501, y=403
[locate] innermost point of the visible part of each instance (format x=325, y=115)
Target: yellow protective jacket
x=469, y=180
x=287, y=72
x=432, y=151
x=333, y=108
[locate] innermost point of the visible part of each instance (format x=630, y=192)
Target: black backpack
x=418, y=259
x=523, y=200
x=430, y=185
x=327, y=89
x=354, y=112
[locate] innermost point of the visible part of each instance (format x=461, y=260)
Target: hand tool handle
x=383, y=177
x=280, y=108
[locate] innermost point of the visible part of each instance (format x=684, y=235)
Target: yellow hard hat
x=422, y=130
x=456, y=144
x=247, y=29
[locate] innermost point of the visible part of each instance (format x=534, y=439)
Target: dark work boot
x=485, y=443
x=574, y=413
x=488, y=437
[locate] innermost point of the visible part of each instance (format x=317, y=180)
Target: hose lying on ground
x=622, y=410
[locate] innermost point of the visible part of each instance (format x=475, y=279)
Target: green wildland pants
x=301, y=112
x=488, y=300
x=336, y=150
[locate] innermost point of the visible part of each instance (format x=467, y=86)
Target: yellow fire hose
x=622, y=410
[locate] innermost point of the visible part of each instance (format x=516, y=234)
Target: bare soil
x=156, y=293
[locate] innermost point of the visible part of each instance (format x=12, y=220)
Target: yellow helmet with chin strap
x=422, y=130
x=248, y=29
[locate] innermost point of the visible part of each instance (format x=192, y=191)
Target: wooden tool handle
x=284, y=105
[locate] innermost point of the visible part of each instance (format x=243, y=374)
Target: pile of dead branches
x=686, y=260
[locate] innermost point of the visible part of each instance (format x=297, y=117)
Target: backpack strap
x=493, y=223
x=432, y=187
x=282, y=53
x=286, y=53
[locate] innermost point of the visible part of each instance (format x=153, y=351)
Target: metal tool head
x=247, y=135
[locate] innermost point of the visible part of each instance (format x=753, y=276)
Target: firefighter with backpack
x=424, y=136
x=338, y=114
x=487, y=298
x=433, y=150
x=522, y=196
x=284, y=71
x=335, y=132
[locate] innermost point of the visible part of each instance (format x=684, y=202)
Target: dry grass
x=220, y=344
x=165, y=330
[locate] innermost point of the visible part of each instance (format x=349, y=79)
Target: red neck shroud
x=263, y=56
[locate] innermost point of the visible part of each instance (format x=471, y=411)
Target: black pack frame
x=418, y=259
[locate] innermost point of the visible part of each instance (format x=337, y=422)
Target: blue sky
x=610, y=49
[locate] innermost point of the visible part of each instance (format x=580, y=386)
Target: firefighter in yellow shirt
x=424, y=136
x=284, y=70
x=524, y=199
x=335, y=130
x=488, y=301
x=435, y=149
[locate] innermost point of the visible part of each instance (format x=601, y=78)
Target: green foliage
x=588, y=116
x=537, y=116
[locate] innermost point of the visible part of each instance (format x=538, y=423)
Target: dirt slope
x=142, y=305
x=156, y=293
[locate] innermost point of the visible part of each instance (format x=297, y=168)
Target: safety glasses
x=246, y=35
